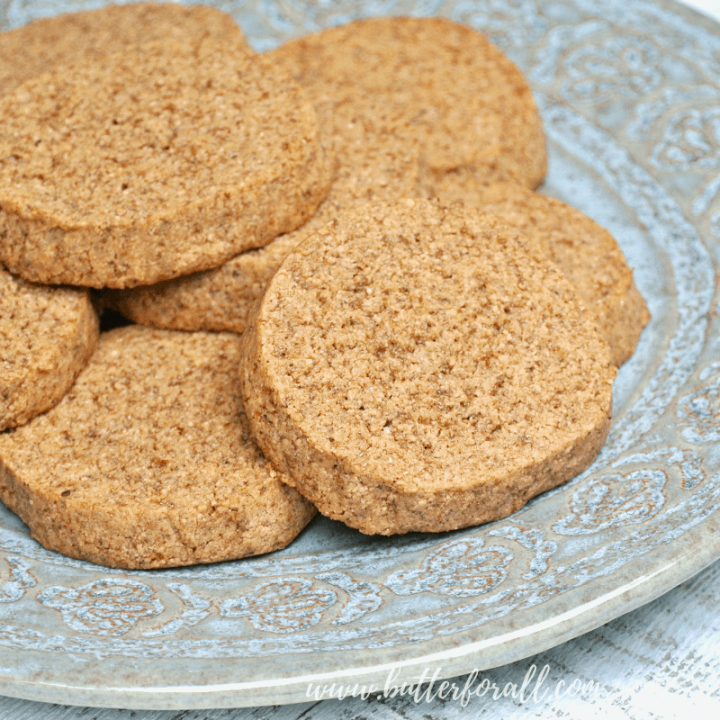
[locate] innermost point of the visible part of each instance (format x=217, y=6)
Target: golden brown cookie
x=430, y=79
x=46, y=337
x=147, y=462
x=371, y=165
x=143, y=166
x=586, y=253
x=419, y=367
x=50, y=42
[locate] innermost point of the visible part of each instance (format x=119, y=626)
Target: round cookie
x=147, y=462
x=46, y=337
x=51, y=42
x=143, y=166
x=430, y=79
x=418, y=367
x=371, y=165
x=586, y=253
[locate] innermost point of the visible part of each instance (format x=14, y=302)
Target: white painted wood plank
x=709, y=7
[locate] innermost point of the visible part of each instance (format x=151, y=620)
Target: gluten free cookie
x=371, y=165
x=46, y=338
x=422, y=367
x=139, y=167
x=148, y=461
x=432, y=80
x=587, y=254
x=51, y=42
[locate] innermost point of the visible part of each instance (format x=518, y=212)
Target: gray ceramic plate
x=631, y=102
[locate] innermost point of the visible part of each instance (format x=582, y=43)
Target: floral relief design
x=19, y=582
x=646, y=114
x=281, y=606
x=532, y=539
x=461, y=568
x=195, y=609
x=620, y=65
x=364, y=596
x=691, y=140
x=702, y=409
x=613, y=500
x=103, y=607
x=688, y=463
x=508, y=23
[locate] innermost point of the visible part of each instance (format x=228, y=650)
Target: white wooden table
x=660, y=661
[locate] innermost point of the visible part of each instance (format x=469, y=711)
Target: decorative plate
x=631, y=104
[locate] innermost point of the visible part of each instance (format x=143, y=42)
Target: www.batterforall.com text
x=429, y=688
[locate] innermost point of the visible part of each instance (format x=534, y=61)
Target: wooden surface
x=660, y=661
x=709, y=7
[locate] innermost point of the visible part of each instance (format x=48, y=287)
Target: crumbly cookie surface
x=419, y=367
x=47, y=335
x=587, y=254
x=430, y=79
x=147, y=462
x=372, y=164
x=138, y=167
x=47, y=43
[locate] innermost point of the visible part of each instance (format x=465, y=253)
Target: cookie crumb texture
x=418, y=367
x=143, y=166
x=47, y=43
x=147, y=462
x=46, y=338
x=586, y=253
x=432, y=80
x=372, y=164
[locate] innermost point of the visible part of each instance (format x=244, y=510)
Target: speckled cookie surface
x=586, y=253
x=50, y=42
x=142, y=166
x=431, y=79
x=148, y=462
x=371, y=165
x=46, y=338
x=421, y=367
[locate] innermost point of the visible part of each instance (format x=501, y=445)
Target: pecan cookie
x=47, y=335
x=47, y=43
x=148, y=462
x=587, y=254
x=139, y=167
x=419, y=367
x=371, y=165
x=431, y=80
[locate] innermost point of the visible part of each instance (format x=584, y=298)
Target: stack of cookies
x=346, y=294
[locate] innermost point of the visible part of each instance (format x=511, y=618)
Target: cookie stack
x=348, y=295
x=156, y=145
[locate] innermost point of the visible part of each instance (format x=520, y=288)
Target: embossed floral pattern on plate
x=633, y=124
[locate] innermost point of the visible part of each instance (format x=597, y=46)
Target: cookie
x=51, y=42
x=419, y=367
x=147, y=462
x=586, y=253
x=143, y=166
x=46, y=338
x=429, y=79
x=371, y=165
